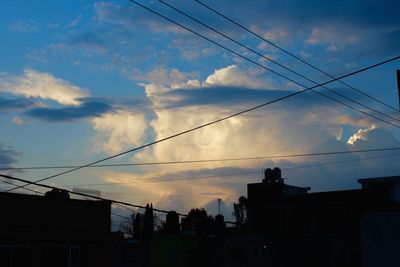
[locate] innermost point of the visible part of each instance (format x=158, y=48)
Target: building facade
x=339, y=228
x=53, y=230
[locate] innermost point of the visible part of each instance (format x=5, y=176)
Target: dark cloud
x=229, y=96
x=338, y=20
x=141, y=103
x=89, y=108
x=8, y=156
x=14, y=104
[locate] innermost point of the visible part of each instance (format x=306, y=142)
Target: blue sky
x=83, y=80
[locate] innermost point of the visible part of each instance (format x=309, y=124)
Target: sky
x=84, y=80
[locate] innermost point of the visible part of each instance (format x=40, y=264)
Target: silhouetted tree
x=148, y=227
x=240, y=211
x=136, y=226
x=199, y=221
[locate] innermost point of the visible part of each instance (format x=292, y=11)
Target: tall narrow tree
x=148, y=228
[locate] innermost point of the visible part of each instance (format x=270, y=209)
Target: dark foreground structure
x=339, y=228
x=53, y=230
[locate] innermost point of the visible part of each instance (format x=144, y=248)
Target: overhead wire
x=82, y=194
x=224, y=118
x=293, y=55
x=27, y=189
x=340, y=162
x=124, y=204
x=226, y=175
x=205, y=160
x=256, y=63
x=279, y=64
x=212, y=122
x=165, y=180
x=231, y=174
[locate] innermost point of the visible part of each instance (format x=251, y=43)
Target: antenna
x=219, y=205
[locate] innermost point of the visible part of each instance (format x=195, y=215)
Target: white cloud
x=172, y=78
x=334, y=36
x=273, y=131
x=234, y=76
x=42, y=85
x=373, y=137
x=276, y=35
x=118, y=130
x=361, y=134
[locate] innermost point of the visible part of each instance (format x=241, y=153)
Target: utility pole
x=398, y=85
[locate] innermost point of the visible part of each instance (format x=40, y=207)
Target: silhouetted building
x=339, y=228
x=53, y=230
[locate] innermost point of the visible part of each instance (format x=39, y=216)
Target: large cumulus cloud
x=301, y=125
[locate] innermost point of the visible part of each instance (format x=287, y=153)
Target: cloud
x=17, y=104
x=8, y=155
x=180, y=190
x=373, y=136
x=234, y=76
x=236, y=97
x=173, y=78
x=361, y=134
x=115, y=131
x=333, y=37
x=310, y=125
x=88, y=108
x=89, y=41
x=364, y=29
x=133, y=18
x=35, y=84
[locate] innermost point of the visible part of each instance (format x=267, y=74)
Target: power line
x=211, y=122
x=218, y=176
x=178, y=196
x=124, y=204
x=294, y=56
x=83, y=194
x=340, y=162
x=280, y=65
x=256, y=63
x=167, y=180
x=230, y=174
x=27, y=189
x=221, y=175
x=204, y=160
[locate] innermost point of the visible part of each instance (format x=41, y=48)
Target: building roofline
x=380, y=179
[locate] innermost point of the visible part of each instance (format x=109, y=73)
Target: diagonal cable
x=211, y=122
x=293, y=55
x=280, y=65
